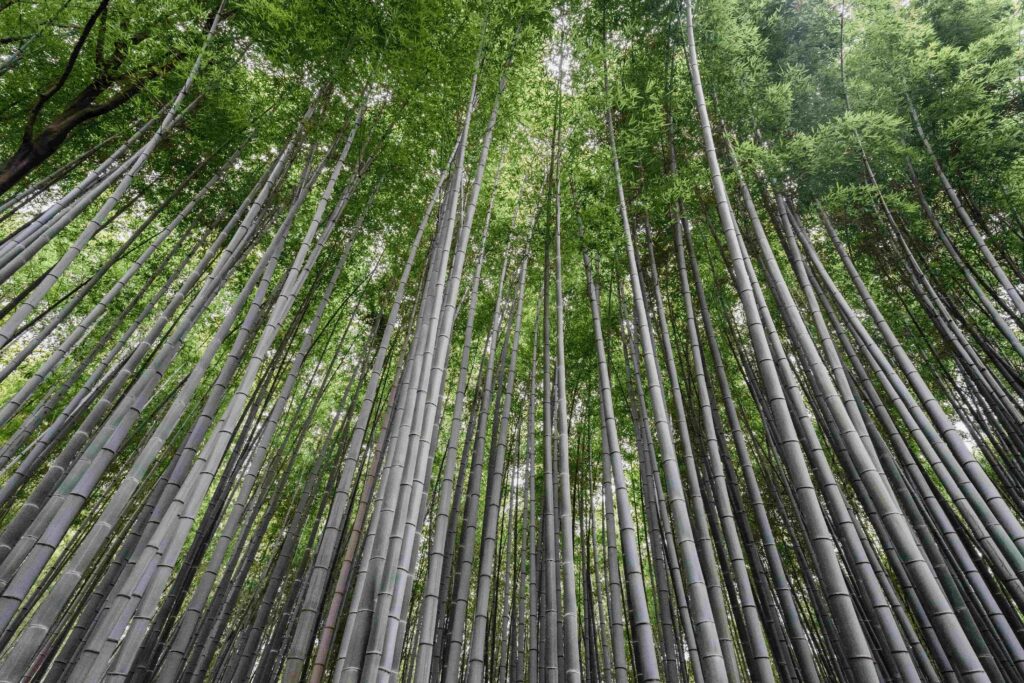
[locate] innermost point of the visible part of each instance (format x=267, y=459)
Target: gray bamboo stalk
x=24, y=241
x=176, y=653
x=950, y=435
x=985, y=528
x=327, y=545
x=761, y=668
x=643, y=633
x=783, y=588
x=100, y=452
x=171, y=532
x=990, y=260
x=495, y=482
x=54, y=273
x=432, y=584
x=856, y=648
x=707, y=631
x=460, y=597
x=428, y=431
x=567, y=528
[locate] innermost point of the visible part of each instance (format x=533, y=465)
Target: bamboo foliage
x=726, y=383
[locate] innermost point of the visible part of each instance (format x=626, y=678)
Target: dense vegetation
x=459, y=340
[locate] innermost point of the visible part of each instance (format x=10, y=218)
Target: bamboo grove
x=671, y=340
